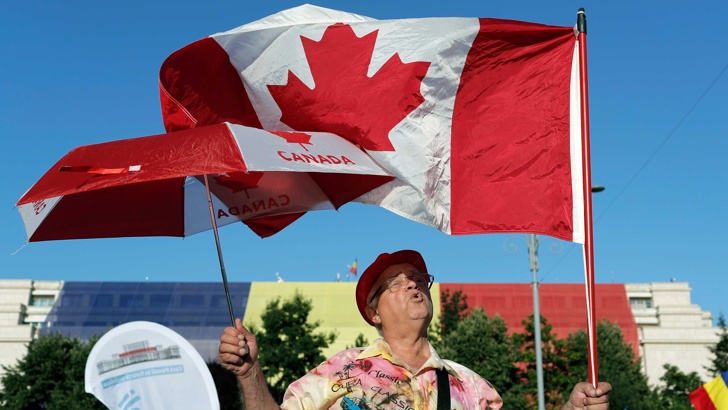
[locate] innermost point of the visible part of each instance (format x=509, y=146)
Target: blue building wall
x=197, y=311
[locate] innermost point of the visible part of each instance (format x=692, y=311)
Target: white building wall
x=19, y=319
x=672, y=330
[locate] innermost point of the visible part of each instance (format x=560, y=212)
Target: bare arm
x=239, y=354
x=585, y=396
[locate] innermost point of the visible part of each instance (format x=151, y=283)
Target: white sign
x=144, y=365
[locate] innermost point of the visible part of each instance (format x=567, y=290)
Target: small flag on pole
x=712, y=395
x=352, y=268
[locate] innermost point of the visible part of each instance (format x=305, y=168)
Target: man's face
x=404, y=298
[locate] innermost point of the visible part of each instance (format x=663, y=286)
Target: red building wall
x=563, y=305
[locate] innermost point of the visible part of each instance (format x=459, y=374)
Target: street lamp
x=532, y=243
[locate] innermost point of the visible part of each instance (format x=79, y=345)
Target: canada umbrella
x=185, y=182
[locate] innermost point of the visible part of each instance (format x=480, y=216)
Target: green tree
x=50, y=376
x=617, y=365
x=719, y=364
x=434, y=332
x=677, y=386
x=453, y=310
x=555, y=364
x=482, y=344
x=288, y=346
x=360, y=341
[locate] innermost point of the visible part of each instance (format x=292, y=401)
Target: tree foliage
x=719, y=363
x=677, y=386
x=454, y=308
x=50, y=376
x=617, y=365
x=555, y=362
x=482, y=344
x=289, y=348
x=360, y=341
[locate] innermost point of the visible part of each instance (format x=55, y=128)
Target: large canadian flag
x=477, y=118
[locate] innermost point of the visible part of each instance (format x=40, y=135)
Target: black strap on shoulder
x=443, y=389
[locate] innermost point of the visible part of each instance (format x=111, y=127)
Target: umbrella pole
x=219, y=252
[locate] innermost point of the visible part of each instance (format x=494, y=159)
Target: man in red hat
x=400, y=370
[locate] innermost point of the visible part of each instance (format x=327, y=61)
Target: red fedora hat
x=383, y=261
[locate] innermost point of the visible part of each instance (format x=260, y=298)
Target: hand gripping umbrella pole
x=219, y=252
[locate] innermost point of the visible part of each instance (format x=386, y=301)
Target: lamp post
x=532, y=243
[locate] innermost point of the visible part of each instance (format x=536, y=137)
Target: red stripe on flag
x=199, y=86
x=701, y=400
x=510, y=162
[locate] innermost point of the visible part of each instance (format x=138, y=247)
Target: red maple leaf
x=344, y=100
x=293, y=137
x=239, y=181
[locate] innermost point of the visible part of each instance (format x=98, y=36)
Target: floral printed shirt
x=374, y=378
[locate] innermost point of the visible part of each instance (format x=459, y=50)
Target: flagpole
x=588, y=219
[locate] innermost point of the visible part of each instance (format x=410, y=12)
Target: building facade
x=24, y=306
x=658, y=319
x=672, y=330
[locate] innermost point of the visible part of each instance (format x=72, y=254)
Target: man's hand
x=238, y=349
x=585, y=396
x=239, y=354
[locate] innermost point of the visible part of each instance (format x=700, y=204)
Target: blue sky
x=85, y=72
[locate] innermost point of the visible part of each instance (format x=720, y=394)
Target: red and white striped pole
x=588, y=218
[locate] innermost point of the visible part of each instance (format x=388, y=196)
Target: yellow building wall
x=333, y=305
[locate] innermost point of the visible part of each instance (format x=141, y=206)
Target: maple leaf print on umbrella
x=295, y=138
x=345, y=100
x=238, y=181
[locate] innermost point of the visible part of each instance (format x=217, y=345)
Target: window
x=187, y=323
x=43, y=301
x=640, y=303
x=160, y=300
x=131, y=300
x=218, y=322
x=219, y=300
x=72, y=300
x=104, y=301
x=191, y=300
